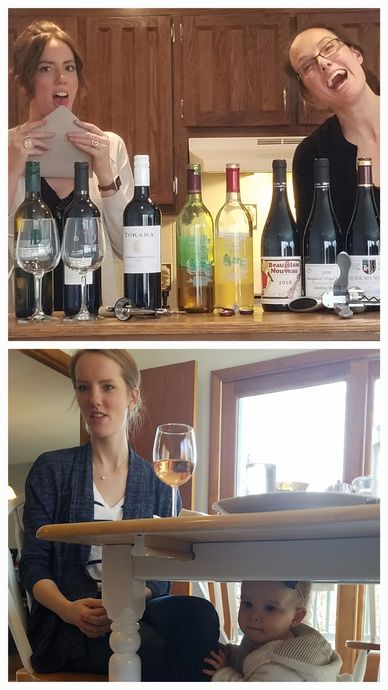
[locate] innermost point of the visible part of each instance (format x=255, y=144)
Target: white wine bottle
x=195, y=248
x=32, y=207
x=234, y=249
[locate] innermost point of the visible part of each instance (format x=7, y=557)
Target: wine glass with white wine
x=174, y=456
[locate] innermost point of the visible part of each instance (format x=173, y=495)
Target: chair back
x=15, y=510
x=17, y=618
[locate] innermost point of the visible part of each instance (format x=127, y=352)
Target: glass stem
x=38, y=293
x=174, y=501
x=84, y=308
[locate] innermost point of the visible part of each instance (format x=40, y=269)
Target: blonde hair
x=28, y=49
x=129, y=372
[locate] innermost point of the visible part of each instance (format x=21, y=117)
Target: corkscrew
x=343, y=300
x=124, y=309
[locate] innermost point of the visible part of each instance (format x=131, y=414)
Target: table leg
x=124, y=600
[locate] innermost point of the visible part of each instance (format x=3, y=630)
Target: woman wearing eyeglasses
x=331, y=73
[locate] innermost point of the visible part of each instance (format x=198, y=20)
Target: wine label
x=280, y=279
x=319, y=278
x=364, y=273
x=141, y=249
x=72, y=277
x=193, y=257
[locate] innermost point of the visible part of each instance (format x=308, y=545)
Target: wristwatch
x=115, y=184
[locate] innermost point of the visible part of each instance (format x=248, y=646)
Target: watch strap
x=115, y=184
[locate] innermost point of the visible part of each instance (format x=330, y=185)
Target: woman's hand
x=218, y=660
x=96, y=143
x=24, y=141
x=88, y=615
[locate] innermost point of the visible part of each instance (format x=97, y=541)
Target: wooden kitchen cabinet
x=130, y=68
x=233, y=69
x=362, y=27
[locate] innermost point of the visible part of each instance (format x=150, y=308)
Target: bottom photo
x=157, y=499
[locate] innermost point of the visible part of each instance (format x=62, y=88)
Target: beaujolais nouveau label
x=280, y=279
x=141, y=249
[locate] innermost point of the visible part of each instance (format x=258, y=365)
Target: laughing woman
x=104, y=479
x=331, y=74
x=48, y=71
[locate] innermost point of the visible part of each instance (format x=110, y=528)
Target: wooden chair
x=17, y=617
x=362, y=647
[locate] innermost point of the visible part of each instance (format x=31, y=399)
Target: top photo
x=194, y=174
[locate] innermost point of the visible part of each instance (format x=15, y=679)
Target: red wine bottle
x=322, y=239
x=81, y=207
x=31, y=207
x=141, y=242
x=363, y=236
x=280, y=250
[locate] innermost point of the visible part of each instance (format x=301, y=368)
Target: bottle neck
x=365, y=176
x=194, y=192
x=32, y=185
x=81, y=183
x=232, y=184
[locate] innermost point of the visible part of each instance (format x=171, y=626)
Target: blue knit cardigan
x=59, y=489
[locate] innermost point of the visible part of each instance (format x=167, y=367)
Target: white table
x=323, y=545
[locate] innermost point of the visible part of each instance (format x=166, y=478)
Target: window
x=297, y=412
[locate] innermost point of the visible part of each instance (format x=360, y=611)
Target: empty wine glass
x=83, y=250
x=174, y=456
x=37, y=252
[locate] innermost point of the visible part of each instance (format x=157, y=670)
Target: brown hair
x=28, y=49
x=371, y=78
x=129, y=372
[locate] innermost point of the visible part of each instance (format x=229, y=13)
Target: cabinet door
x=363, y=28
x=233, y=69
x=130, y=77
x=17, y=104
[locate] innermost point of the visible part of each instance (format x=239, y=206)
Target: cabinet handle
x=172, y=32
x=182, y=108
x=284, y=99
x=175, y=185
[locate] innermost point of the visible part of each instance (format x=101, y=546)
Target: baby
x=276, y=645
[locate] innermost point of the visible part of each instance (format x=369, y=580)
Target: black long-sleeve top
x=327, y=141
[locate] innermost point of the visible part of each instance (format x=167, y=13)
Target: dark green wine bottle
x=32, y=207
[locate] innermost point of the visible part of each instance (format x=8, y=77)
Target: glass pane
x=300, y=430
x=375, y=459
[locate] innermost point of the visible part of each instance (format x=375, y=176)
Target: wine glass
x=37, y=252
x=174, y=456
x=83, y=250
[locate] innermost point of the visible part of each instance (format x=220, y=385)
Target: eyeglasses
x=329, y=49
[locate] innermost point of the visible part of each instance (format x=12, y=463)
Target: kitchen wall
x=256, y=193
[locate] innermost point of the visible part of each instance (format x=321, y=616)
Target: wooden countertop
x=259, y=326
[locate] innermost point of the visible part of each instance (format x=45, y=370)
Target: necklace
x=107, y=474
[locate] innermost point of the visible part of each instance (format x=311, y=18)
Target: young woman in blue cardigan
x=104, y=479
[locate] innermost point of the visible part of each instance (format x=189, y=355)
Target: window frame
x=360, y=369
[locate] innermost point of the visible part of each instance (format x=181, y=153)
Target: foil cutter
x=343, y=300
